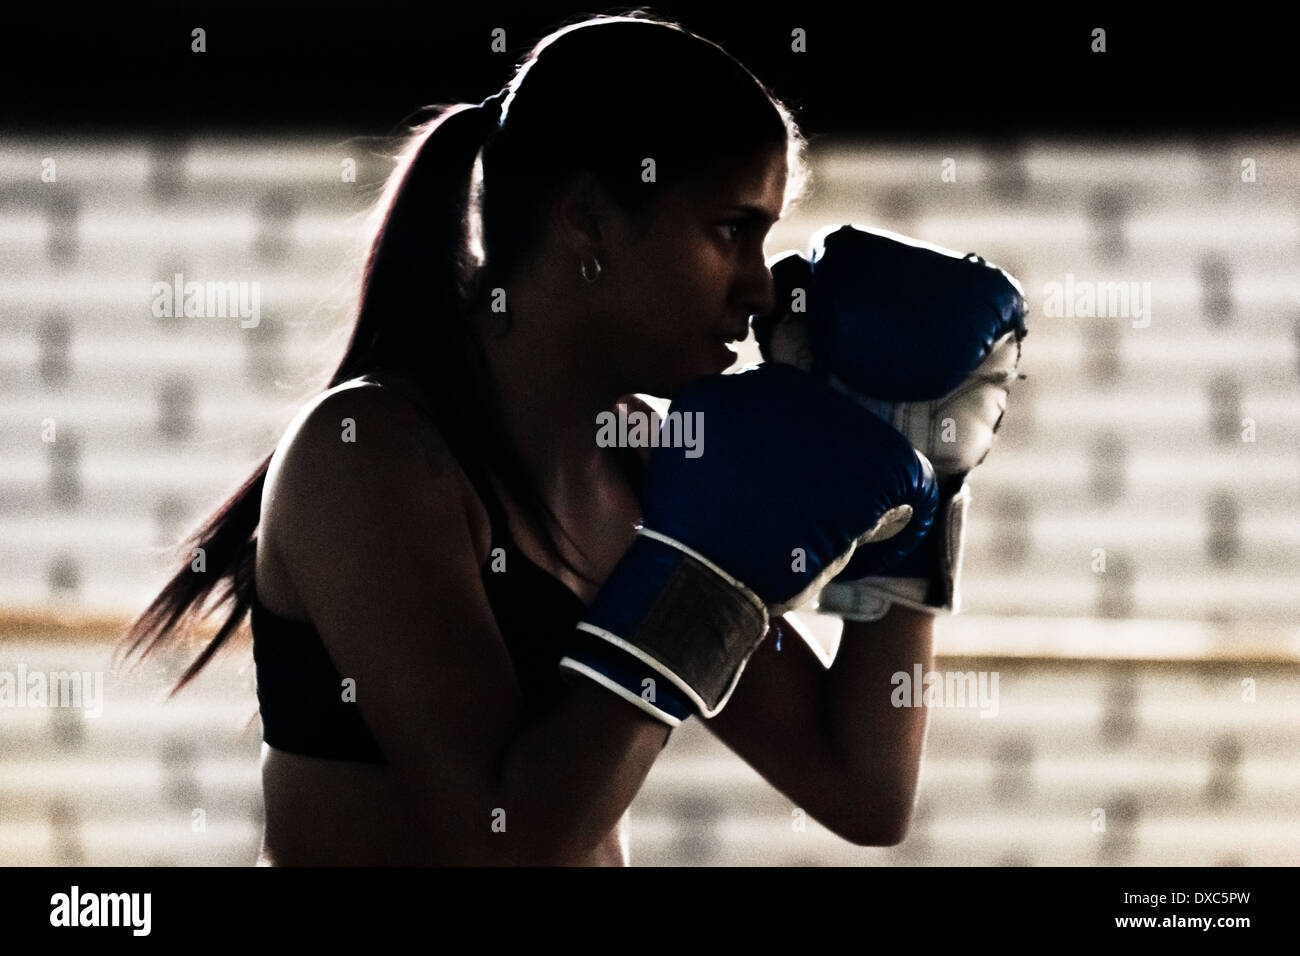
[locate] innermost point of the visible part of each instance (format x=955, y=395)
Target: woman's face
x=689, y=286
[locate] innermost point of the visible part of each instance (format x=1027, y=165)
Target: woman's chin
x=713, y=357
x=722, y=355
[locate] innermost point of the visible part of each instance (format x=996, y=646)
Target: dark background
x=921, y=70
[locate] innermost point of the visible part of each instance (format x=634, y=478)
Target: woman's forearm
x=879, y=744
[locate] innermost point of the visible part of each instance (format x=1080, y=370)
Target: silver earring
x=592, y=275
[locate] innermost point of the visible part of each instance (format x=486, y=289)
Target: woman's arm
x=831, y=741
x=379, y=545
x=881, y=744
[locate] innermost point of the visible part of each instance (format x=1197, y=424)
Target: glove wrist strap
x=676, y=623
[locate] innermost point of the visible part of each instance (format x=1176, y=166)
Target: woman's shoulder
x=397, y=382
x=357, y=415
x=375, y=426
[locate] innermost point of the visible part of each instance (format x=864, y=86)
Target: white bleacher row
x=1170, y=540
x=1003, y=840
x=849, y=181
x=110, y=332
x=227, y=401
x=218, y=245
x=146, y=842
x=119, y=302
x=1262, y=360
x=1150, y=414
x=1060, y=169
x=103, y=364
x=1167, y=443
x=224, y=385
x=1063, y=464
x=210, y=228
x=1266, y=599
x=1165, y=383
x=1045, y=562
x=1170, y=507
x=98, y=313
x=1051, y=580
x=1076, y=717
x=1226, y=640
x=107, y=318
x=121, y=451
x=1168, y=167
x=1068, y=695
x=1180, y=346
x=713, y=798
x=238, y=170
x=1057, y=348
x=1245, y=596
x=228, y=410
x=1161, y=371
x=1055, y=242
x=1159, y=246
x=662, y=840
x=1025, y=782
x=1055, y=174
x=1154, y=513
x=1175, y=707
x=1237, y=225
x=1176, y=164
x=1224, y=242
x=1153, y=250
x=1050, y=172
x=229, y=738
x=137, y=231
x=953, y=786
x=1259, y=432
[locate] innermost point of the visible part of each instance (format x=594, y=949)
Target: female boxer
x=417, y=550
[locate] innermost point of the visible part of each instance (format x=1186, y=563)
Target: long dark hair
x=600, y=94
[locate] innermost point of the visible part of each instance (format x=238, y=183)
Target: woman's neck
x=550, y=394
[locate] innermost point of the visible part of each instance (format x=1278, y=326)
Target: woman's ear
x=581, y=208
x=591, y=222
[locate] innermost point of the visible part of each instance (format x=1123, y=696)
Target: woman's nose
x=757, y=288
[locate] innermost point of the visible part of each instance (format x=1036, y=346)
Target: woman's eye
x=731, y=230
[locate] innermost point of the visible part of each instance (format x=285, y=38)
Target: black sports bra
x=300, y=691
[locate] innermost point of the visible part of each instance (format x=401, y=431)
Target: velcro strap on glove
x=679, y=625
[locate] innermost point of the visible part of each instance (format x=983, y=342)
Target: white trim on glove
x=869, y=599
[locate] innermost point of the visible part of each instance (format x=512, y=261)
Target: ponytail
x=419, y=253
x=418, y=256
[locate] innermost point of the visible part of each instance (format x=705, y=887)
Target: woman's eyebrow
x=756, y=215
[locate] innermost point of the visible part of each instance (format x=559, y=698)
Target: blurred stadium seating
x=1134, y=548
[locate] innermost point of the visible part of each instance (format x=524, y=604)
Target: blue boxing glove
x=733, y=536
x=930, y=341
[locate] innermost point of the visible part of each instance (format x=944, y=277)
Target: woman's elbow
x=889, y=831
x=878, y=823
